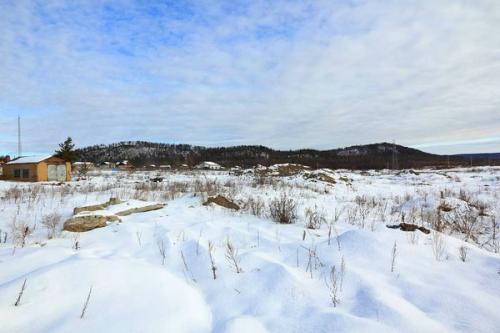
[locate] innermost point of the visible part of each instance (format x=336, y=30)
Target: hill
x=485, y=156
x=371, y=156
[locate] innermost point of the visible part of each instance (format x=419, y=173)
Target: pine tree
x=66, y=150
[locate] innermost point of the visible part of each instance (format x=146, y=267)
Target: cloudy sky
x=286, y=74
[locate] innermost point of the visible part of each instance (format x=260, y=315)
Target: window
x=17, y=173
x=26, y=173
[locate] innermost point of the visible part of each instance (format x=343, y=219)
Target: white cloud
x=284, y=74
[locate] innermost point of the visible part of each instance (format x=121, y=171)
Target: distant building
x=37, y=169
x=124, y=165
x=208, y=166
x=77, y=166
x=106, y=165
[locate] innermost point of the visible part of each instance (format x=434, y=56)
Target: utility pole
x=394, y=156
x=19, y=148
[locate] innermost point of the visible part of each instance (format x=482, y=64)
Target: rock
x=113, y=201
x=141, y=209
x=344, y=179
x=221, y=201
x=409, y=227
x=92, y=208
x=321, y=176
x=87, y=222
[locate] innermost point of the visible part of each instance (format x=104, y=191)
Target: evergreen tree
x=67, y=150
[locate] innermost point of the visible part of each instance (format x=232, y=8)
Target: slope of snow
x=281, y=288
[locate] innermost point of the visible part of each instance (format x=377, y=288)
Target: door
x=52, y=173
x=61, y=173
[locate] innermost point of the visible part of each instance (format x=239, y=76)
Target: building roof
x=30, y=159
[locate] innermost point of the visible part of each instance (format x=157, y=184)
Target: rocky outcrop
x=221, y=201
x=93, y=208
x=97, y=216
x=141, y=209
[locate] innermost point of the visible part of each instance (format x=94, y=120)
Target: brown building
x=37, y=169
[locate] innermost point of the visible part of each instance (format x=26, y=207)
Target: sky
x=285, y=74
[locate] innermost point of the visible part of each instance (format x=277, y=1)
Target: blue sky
x=286, y=74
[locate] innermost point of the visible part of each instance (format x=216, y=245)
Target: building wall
x=38, y=172
x=9, y=172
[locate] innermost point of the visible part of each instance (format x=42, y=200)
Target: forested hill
x=372, y=156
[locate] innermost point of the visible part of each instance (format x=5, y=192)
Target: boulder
x=87, y=222
x=221, y=201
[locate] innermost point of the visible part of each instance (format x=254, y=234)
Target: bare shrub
x=467, y=222
x=283, y=209
x=76, y=241
x=313, y=261
x=436, y=220
x=86, y=304
x=394, y=254
x=52, y=222
x=314, y=218
x=211, y=252
x=438, y=246
x=186, y=267
x=232, y=257
x=255, y=206
x=342, y=273
x=20, y=231
x=463, y=251
x=161, y=248
x=20, y=295
x=333, y=285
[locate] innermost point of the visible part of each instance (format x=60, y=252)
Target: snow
x=30, y=159
x=133, y=291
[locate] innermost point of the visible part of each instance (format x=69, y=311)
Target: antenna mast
x=19, y=150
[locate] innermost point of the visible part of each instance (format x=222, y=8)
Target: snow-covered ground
x=153, y=271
